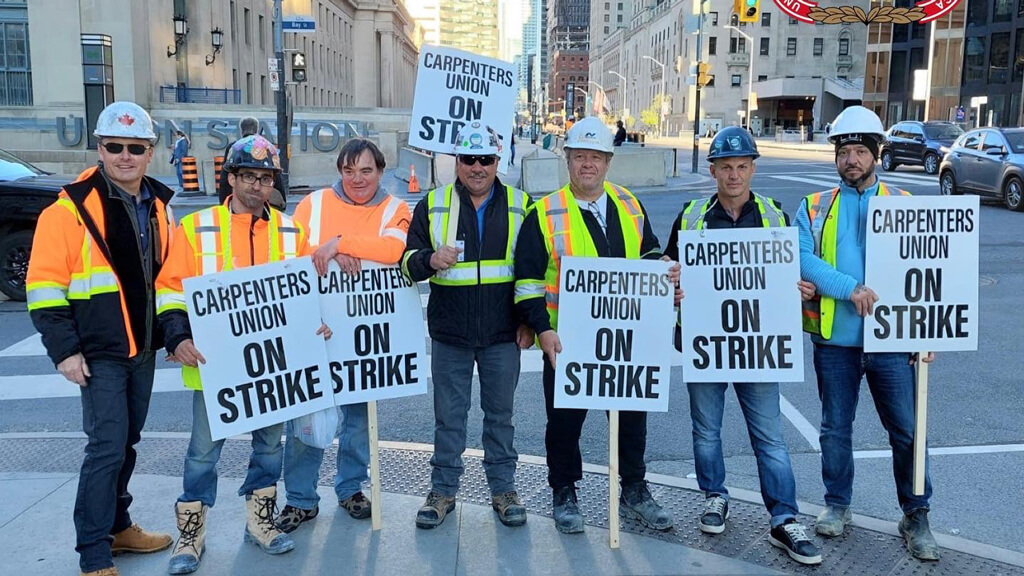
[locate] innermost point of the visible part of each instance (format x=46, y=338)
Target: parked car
x=988, y=162
x=25, y=191
x=918, y=144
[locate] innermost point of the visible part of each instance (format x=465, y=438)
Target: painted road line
x=31, y=346
x=824, y=184
x=802, y=424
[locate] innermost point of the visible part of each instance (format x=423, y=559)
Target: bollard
x=190, y=174
x=218, y=163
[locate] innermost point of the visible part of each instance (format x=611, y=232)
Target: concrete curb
x=963, y=545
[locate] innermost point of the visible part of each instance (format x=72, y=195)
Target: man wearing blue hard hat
x=732, y=155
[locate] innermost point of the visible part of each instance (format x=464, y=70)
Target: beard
x=856, y=182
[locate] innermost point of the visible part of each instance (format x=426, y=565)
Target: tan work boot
x=135, y=540
x=191, y=542
x=260, y=529
x=102, y=572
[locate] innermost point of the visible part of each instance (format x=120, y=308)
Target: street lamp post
x=750, y=74
x=661, y=110
x=622, y=97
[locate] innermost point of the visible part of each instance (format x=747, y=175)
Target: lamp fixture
x=180, y=32
x=217, y=41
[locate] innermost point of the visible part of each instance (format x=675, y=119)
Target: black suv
x=918, y=144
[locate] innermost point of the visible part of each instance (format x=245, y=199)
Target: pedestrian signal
x=298, y=67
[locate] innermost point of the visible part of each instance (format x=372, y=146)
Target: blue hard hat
x=733, y=142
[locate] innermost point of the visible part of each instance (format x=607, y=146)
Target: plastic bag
x=317, y=429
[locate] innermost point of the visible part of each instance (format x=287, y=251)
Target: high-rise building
x=510, y=29
x=427, y=15
x=471, y=25
x=534, y=66
x=568, y=34
x=607, y=16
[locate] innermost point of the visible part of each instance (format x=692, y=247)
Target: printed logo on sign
x=922, y=12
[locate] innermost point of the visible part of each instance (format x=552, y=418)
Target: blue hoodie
x=839, y=282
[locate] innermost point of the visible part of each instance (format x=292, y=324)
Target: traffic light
x=702, y=73
x=298, y=67
x=750, y=10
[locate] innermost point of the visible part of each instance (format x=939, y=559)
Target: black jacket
x=717, y=218
x=470, y=316
x=532, y=255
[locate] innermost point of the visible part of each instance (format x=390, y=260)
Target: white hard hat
x=124, y=120
x=589, y=134
x=476, y=139
x=853, y=124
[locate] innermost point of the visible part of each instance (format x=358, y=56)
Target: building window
x=999, y=62
x=762, y=77
x=1002, y=11
x=844, y=46
x=791, y=47
x=261, y=32
x=713, y=16
x=736, y=79
x=234, y=24
x=737, y=45
x=711, y=80
x=819, y=46
x=713, y=45
x=97, y=76
x=1018, y=58
x=15, y=65
x=607, y=17
x=605, y=29
x=764, y=46
x=792, y=20
x=248, y=88
x=246, y=26
x=766, y=19
x=974, y=59
x=264, y=98
x=619, y=18
x=977, y=13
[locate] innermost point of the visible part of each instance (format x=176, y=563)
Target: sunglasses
x=483, y=160
x=117, y=148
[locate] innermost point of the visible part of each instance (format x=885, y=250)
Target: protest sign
x=922, y=256
x=741, y=313
x=615, y=324
x=454, y=88
x=378, y=350
x=256, y=327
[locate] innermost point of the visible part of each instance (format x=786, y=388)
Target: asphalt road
x=976, y=398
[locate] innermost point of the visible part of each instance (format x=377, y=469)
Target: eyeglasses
x=250, y=178
x=133, y=149
x=483, y=160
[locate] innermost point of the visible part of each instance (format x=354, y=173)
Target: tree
x=652, y=114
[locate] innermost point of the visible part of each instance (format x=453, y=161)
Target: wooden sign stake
x=613, y=478
x=371, y=417
x=920, y=424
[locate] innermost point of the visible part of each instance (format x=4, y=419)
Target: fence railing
x=189, y=95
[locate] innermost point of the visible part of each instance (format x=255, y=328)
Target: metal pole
x=284, y=128
x=928, y=76
x=696, y=108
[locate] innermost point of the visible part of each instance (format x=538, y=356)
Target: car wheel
x=931, y=163
x=15, y=249
x=947, y=184
x=1013, y=194
x=887, y=162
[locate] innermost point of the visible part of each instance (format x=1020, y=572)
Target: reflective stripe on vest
x=693, y=218
x=211, y=228
x=566, y=234
x=480, y=272
x=819, y=312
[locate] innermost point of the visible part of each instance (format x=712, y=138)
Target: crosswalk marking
x=828, y=180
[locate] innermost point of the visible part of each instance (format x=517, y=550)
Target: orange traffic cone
x=414, y=183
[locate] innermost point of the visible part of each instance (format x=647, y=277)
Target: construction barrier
x=640, y=167
x=541, y=172
x=190, y=174
x=218, y=163
x=421, y=163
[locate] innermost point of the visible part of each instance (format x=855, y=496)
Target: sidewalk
x=818, y=145
x=38, y=475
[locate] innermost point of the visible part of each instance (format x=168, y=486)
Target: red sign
x=922, y=12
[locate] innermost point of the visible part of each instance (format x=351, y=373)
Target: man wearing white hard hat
x=462, y=239
x=596, y=217
x=95, y=257
x=832, y=256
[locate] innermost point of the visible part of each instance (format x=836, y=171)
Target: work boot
x=636, y=501
x=260, y=529
x=564, y=508
x=434, y=510
x=510, y=509
x=102, y=572
x=833, y=520
x=357, y=506
x=792, y=537
x=716, y=512
x=135, y=540
x=191, y=544
x=914, y=529
x=291, y=517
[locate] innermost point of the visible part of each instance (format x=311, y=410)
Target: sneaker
x=291, y=517
x=716, y=512
x=914, y=529
x=636, y=501
x=833, y=520
x=565, y=510
x=792, y=537
x=510, y=509
x=357, y=506
x=434, y=510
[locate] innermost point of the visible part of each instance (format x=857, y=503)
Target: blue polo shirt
x=480, y=213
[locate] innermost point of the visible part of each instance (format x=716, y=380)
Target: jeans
x=200, y=479
x=451, y=369
x=181, y=180
x=760, y=405
x=891, y=382
x=302, y=462
x=114, y=408
x=562, y=440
